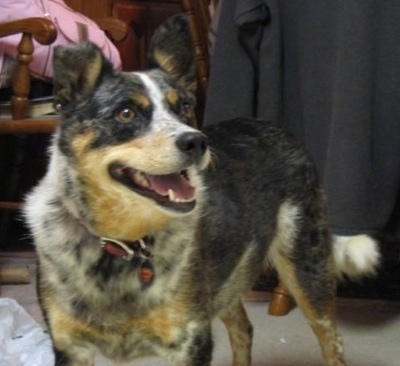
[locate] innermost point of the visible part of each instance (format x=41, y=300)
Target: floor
x=371, y=332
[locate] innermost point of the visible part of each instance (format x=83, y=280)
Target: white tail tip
x=356, y=256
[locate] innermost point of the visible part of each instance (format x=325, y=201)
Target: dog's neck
x=125, y=249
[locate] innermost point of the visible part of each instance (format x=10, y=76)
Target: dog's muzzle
x=175, y=190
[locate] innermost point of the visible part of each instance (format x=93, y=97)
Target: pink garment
x=72, y=27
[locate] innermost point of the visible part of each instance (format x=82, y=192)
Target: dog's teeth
x=141, y=179
x=172, y=198
x=171, y=195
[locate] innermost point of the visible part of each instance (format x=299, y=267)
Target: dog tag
x=146, y=272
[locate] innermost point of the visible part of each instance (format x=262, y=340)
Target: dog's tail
x=356, y=256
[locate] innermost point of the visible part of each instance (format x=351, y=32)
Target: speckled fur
x=258, y=200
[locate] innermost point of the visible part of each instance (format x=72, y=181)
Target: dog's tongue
x=163, y=183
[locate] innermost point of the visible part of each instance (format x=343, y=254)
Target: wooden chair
x=44, y=32
x=199, y=16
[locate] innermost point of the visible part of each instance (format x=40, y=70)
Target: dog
x=147, y=228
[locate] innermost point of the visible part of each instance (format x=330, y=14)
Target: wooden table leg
x=281, y=301
x=14, y=275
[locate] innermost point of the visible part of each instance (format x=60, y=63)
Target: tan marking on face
x=172, y=97
x=153, y=153
x=117, y=211
x=141, y=100
x=81, y=142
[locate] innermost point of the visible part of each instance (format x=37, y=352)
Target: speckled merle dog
x=146, y=228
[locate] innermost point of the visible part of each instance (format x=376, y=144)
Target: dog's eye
x=126, y=115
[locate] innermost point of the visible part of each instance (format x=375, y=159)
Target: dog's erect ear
x=171, y=49
x=77, y=70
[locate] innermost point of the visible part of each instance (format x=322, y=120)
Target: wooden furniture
x=198, y=12
x=44, y=32
x=142, y=16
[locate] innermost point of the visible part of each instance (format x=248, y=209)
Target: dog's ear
x=77, y=70
x=171, y=49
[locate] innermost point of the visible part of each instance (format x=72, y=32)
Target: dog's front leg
x=67, y=334
x=240, y=333
x=63, y=359
x=196, y=351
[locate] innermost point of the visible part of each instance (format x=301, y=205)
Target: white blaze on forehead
x=162, y=117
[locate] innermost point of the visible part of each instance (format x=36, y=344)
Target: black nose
x=192, y=143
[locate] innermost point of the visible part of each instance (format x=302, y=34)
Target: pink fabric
x=69, y=25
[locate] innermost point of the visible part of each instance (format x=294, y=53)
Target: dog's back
x=262, y=190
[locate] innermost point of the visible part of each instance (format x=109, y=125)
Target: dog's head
x=130, y=136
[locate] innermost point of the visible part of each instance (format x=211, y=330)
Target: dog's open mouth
x=172, y=191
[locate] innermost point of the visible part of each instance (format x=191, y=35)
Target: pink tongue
x=162, y=183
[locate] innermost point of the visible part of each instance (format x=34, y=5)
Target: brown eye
x=126, y=115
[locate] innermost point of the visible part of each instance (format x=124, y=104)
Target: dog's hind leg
x=320, y=314
x=301, y=253
x=240, y=333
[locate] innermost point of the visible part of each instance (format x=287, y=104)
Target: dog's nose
x=192, y=143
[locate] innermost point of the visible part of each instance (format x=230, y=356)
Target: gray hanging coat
x=329, y=72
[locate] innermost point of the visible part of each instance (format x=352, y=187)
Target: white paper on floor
x=22, y=341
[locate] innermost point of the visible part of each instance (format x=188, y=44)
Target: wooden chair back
x=199, y=13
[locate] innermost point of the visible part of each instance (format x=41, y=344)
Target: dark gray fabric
x=329, y=72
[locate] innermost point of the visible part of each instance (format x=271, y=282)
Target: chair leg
x=281, y=301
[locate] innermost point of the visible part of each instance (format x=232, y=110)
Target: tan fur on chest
x=164, y=323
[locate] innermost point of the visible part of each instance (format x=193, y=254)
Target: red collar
x=132, y=250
